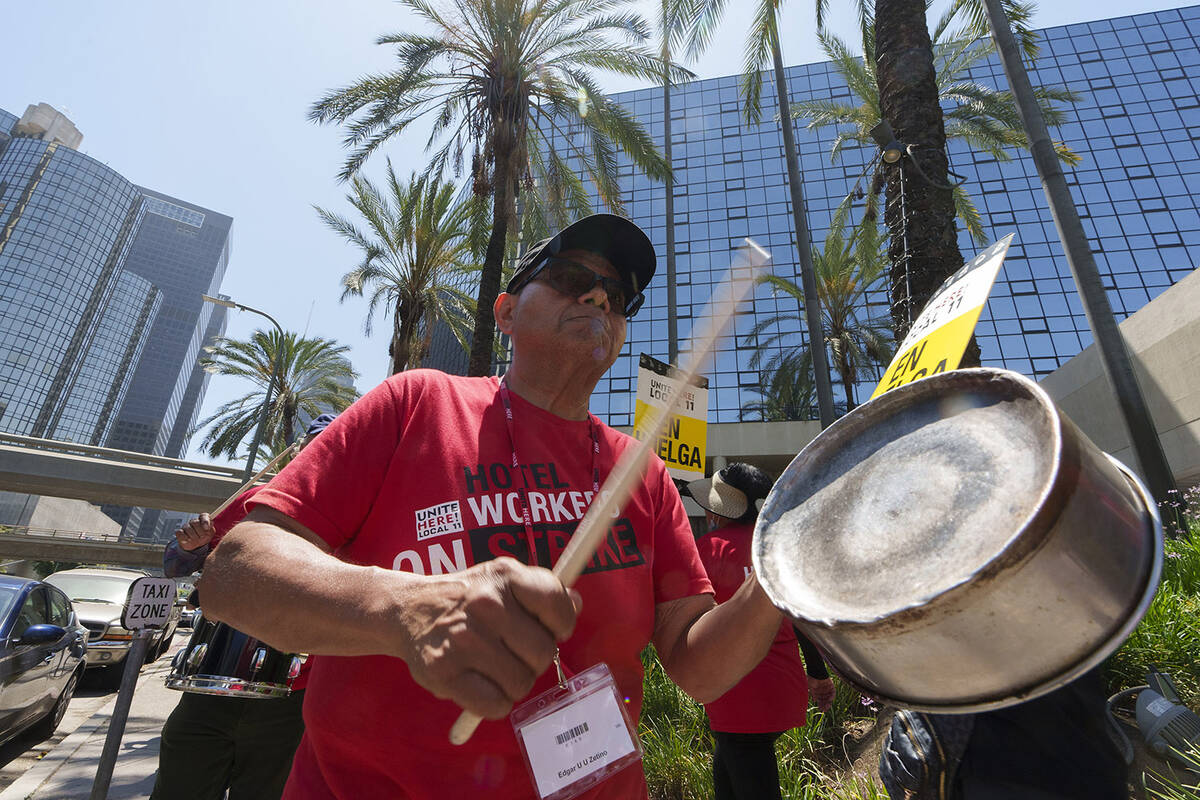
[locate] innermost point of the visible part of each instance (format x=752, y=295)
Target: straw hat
x=731, y=491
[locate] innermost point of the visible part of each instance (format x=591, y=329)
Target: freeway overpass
x=102, y=475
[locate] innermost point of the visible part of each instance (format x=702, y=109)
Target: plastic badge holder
x=576, y=734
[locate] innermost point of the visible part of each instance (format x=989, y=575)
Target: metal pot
x=957, y=544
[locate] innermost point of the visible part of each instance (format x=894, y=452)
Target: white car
x=98, y=594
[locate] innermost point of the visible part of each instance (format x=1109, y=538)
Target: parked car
x=42, y=648
x=99, y=595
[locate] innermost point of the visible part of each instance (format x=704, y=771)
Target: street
x=63, y=767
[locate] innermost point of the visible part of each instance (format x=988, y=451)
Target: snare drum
x=224, y=661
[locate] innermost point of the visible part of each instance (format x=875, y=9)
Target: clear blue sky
x=207, y=102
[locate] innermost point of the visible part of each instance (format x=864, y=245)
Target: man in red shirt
x=410, y=547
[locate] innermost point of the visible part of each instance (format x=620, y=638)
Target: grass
x=1168, y=637
x=1170, y=787
x=678, y=746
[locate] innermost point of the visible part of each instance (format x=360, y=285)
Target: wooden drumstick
x=620, y=482
x=295, y=448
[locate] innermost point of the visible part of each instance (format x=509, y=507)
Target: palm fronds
x=316, y=377
x=420, y=248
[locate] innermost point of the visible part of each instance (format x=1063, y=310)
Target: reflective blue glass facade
x=105, y=369
x=182, y=249
x=1136, y=125
x=69, y=316
x=92, y=268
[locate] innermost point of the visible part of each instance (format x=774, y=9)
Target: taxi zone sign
x=149, y=604
x=938, y=338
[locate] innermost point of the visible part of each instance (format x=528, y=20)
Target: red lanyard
x=516, y=464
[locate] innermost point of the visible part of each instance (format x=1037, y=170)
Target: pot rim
x=1026, y=539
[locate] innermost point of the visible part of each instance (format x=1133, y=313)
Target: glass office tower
x=72, y=322
x=1136, y=125
x=183, y=249
x=92, y=268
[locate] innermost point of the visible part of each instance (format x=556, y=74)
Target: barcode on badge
x=577, y=731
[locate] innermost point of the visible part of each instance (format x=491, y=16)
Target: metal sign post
x=147, y=608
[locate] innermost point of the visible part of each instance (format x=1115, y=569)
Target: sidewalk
x=68, y=771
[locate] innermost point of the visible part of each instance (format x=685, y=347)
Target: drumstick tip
x=463, y=727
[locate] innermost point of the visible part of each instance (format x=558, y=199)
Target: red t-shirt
x=223, y=523
x=416, y=476
x=774, y=695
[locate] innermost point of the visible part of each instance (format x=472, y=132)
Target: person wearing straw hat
x=410, y=549
x=214, y=744
x=773, y=698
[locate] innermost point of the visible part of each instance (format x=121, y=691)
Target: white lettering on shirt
x=441, y=564
x=411, y=557
x=487, y=508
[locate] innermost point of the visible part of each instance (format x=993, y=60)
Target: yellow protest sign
x=681, y=446
x=938, y=338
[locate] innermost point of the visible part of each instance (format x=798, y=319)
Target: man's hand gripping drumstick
x=620, y=483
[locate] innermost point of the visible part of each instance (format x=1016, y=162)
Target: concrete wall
x=1164, y=338
x=55, y=513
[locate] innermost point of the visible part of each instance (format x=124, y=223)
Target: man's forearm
x=177, y=561
x=723, y=644
x=480, y=637
x=281, y=588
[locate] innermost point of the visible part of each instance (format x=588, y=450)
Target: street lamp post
x=276, y=378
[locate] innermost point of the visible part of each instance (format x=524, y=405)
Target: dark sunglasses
x=574, y=279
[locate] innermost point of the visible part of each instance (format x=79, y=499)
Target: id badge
x=576, y=734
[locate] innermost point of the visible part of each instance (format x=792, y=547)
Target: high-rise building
x=1136, y=125
x=183, y=249
x=73, y=322
x=93, y=267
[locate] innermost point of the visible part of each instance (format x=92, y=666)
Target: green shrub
x=1168, y=637
x=677, y=746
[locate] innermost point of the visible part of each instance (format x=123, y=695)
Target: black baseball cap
x=618, y=239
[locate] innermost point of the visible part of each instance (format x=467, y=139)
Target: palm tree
x=786, y=387
x=848, y=271
x=316, y=377
x=986, y=119
x=762, y=44
x=417, y=261
x=509, y=85
x=923, y=233
x=671, y=27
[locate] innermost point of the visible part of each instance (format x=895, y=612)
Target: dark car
x=42, y=647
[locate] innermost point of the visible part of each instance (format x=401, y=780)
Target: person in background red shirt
x=774, y=696
x=213, y=744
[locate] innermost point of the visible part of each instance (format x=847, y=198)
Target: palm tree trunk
x=847, y=382
x=908, y=98
x=404, y=336
x=812, y=302
x=489, y=279
x=397, y=350
x=290, y=416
